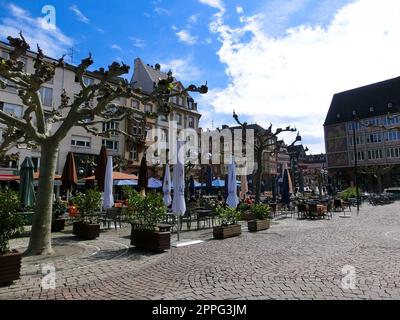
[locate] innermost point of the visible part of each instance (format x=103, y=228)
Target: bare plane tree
x=264, y=139
x=47, y=130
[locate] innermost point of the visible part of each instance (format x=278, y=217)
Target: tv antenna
x=71, y=54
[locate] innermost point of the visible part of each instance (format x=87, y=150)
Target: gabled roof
x=145, y=76
x=377, y=95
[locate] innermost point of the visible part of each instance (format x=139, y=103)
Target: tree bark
x=258, y=176
x=40, y=238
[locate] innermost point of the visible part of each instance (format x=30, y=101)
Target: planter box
x=57, y=225
x=86, y=231
x=247, y=215
x=223, y=232
x=27, y=216
x=151, y=240
x=10, y=267
x=258, y=225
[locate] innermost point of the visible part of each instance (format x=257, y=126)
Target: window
x=111, y=126
x=46, y=95
x=374, y=138
x=353, y=126
x=133, y=154
x=111, y=144
x=148, y=108
x=190, y=140
x=163, y=117
x=79, y=141
x=359, y=140
x=164, y=135
x=392, y=135
x=393, y=153
x=137, y=129
x=135, y=104
x=191, y=122
x=87, y=81
x=373, y=122
x=14, y=109
x=375, y=154
x=148, y=133
x=178, y=118
x=360, y=156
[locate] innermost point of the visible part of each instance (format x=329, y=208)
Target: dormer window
x=390, y=105
x=338, y=116
x=371, y=109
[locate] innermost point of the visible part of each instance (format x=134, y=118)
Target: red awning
x=8, y=177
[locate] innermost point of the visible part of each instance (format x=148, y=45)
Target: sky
x=271, y=61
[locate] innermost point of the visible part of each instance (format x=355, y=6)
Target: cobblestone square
x=294, y=259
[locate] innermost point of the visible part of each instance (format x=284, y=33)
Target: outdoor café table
x=202, y=214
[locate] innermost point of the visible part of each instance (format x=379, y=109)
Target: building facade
x=85, y=146
x=184, y=116
x=363, y=123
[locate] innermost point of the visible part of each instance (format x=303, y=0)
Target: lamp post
x=356, y=162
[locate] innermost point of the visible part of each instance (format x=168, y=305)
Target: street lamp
x=355, y=160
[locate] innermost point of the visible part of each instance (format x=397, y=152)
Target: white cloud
x=139, y=43
x=239, y=10
x=81, y=17
x=193, y=18
x=186, y=37
x=174, y=27
x=52, y=40
x=183, y=70
x=116, y=47
x=161, y=11
x=291, y=79
x=218, y=4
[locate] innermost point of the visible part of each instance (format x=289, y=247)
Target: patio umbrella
x=108, y=199
x=218, y=183
x=167, y=186
x=285, y=188
x=232, y=199
x=178, y=178
x=100, y=171
x=244, y=188
x=26, y=190
x=191, y=186
x=69, y=178
x=154, y=183
x=209, y=180
x=143, y=176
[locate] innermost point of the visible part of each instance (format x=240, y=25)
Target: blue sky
x=270, y=60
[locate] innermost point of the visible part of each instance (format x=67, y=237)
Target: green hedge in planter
x=11, y=223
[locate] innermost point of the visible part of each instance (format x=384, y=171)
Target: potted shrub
x=58, y=223
x=228, y=219
x=145, y=213
x=11, y=224
x=245, y=211
x=261, y=222
x=88, y=205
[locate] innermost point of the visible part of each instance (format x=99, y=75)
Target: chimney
x=101, y=70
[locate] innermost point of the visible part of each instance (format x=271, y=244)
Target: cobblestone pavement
x=294, y=259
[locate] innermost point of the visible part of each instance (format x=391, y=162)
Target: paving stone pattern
x=294, y=259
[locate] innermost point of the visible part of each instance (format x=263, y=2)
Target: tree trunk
x=258, y=177
x=40, y=238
